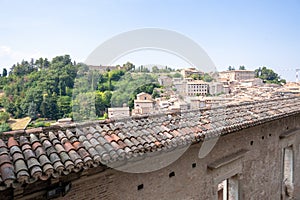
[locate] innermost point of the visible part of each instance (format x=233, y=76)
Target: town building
x=180, y=86
x=118, y=112
x=197, y=88
x=236, y=75
x=165, y=81
x=190, y=71
x=144, y=104
x=243, y=151
x=216, y=88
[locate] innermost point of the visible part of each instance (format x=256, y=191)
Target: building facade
x=237, y=75
x=144, y=104
x=197, y=88
x=190, y=71
x=118, y=112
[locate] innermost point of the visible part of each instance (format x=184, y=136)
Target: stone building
x=118, y=112
x=190, y=71
x=244, y=151
x=143, y=104
x=165, y=81
x=237, y=75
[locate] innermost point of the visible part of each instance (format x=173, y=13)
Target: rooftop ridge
x=63, y=127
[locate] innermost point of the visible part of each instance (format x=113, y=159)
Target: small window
x=141, y=186
x=288, y=168
x=171, y=174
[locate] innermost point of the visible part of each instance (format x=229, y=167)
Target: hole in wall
x=171, y=174
x=141, y=186
x=263, y=137
x=251, y=143
x=194, y=165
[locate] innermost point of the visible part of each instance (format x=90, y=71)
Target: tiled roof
x=30, y=155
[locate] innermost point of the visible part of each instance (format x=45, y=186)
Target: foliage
x=165, y=69
x=61, y=88
x=4, y=127
x=4, y=117
x=206, y=77
x=4, y=72
x=242, y=67
x=40, y=124
x=38, y=88
x=130, y=85
x=177, y=75
x=268, y=76
x=230, y=68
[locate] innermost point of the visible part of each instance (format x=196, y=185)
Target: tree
x=268, y=76
x=4, y=73
x=64, y=106
x=155, y=69
x=231, y=68
x=32, y=110
x=207, y=78
x=128, y=66
x=177, y=75
x=49, y=107
x=242, y=67
x=196, y=76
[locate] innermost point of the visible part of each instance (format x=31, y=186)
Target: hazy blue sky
x=250, y=33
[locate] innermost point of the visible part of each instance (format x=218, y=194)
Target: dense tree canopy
x=39, y=88
x=268, y=75
x=61, y=88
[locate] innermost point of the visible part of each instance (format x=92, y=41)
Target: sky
x=233, y=33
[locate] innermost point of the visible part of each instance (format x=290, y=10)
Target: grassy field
x=17, y=124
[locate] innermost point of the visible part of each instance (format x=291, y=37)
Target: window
x=228, y=189
x=288, y=162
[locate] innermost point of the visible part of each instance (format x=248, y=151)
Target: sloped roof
x=38, y=154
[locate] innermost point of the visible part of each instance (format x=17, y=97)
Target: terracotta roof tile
x=4, y=158
x=2, y=144
x=7, y=173
x=12, y=142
